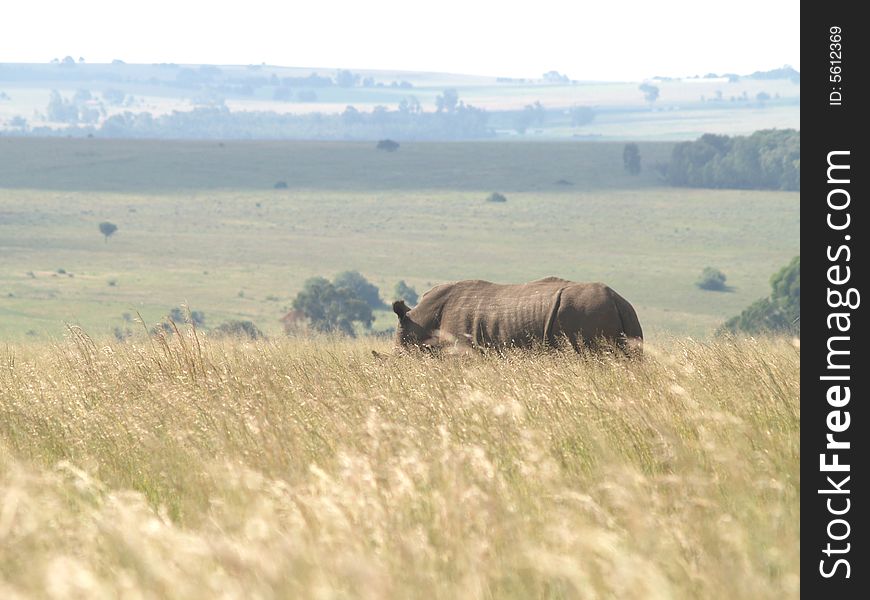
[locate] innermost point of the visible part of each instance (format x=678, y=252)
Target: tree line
x=453, y=119
x=768, y=159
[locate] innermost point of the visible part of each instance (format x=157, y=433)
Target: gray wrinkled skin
x=477, y=314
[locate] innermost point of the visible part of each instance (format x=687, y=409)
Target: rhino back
x=487, y=314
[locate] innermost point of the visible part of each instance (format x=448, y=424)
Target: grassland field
x=190, y=467
x=200, y=222
x=193, y=466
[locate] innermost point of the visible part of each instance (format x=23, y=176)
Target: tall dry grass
x=311, y=469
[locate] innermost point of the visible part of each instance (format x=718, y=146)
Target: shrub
x=496, y=197
x=712, y=280
x=361, y=287
x=778, y=312
x=239, y=329
x=332, y=309
x=121, y=334
x=388, y=145
x=196, y=317
x=280, y=185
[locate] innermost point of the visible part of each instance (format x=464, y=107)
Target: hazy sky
x=606, y=40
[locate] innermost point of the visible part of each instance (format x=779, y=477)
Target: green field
x=200, y=223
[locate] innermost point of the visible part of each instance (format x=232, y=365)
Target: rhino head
x=409, y=333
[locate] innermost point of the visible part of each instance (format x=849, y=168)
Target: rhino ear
x=400, y=308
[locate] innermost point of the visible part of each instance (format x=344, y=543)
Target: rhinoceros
x=477, y=314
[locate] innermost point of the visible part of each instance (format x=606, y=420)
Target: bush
x=712, y=280
x=496, y=197
x=196, y=317
x=361, y=287
x=239, y=329
x=780, y=311
x=332, y=309
x=280, y=185
x=388, y=145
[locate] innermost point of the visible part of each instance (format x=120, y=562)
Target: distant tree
x=767, y=159
x=220, y=123
x=631, y=159
x=68, y=61
x=280, y=185
x=532, y=114
x=380, y=115
x=522, y=121
x=447, y=101
x=388, y=145
x=17, y=122
x=496, y=197
x=712, y=279
x=581, y=115
x=332, y=309
x=779, y=312
x=784, y=72
x=405, y=292
x=410, y=106
x=555, y=77
x=114, y=97
x=60, y=109
x=345, y=78
x=306, y=96
x=239, y=329
x=537, y=112
x=108, y=229
x=361, y=287
x=351, y=116
x=762, y=97
x=650, y=92
x=88, y=114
